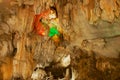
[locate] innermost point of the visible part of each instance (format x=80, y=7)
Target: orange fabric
x=38, y=26
x=40, y=29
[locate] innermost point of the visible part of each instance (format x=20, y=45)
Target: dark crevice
x=14, y=48
x=14, y=51
x=54, y=9
x=57, y=71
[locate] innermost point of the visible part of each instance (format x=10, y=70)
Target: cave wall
x=89, y=25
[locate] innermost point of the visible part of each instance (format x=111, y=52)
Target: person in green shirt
x=54, y=27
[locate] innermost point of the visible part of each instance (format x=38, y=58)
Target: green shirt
x=53, y=31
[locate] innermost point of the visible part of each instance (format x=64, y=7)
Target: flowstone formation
x=59, y=39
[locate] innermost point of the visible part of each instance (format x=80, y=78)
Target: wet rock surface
x=89, y=48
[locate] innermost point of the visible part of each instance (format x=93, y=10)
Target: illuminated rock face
x=89, y=46
x=108, y=10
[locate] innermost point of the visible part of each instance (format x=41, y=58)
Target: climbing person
x=54, y=27
x=48, y=20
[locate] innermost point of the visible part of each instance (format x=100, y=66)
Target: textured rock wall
x=91, y=30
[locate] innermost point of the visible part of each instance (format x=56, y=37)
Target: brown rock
x=108, y=9
x=96, y=59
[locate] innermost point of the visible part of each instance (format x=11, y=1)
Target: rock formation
x=89, y=46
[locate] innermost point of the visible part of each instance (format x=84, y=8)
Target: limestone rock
x=108, y=9
x=89, y=46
